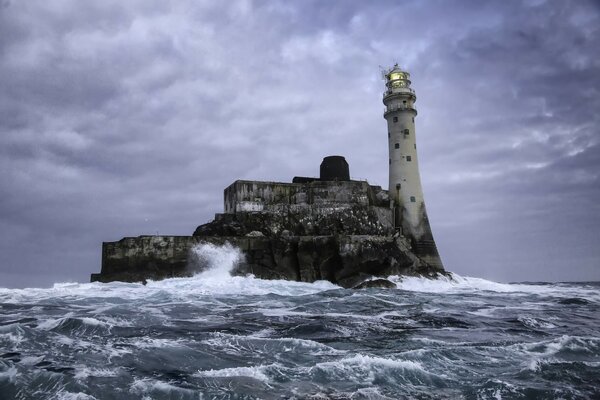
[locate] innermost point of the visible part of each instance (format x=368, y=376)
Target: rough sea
x=214, y=336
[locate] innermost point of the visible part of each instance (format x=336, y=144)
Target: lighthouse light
x=395, y=76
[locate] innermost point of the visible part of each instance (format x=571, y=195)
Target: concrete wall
x=316, y=207
x=155, y=257
x=254, y=196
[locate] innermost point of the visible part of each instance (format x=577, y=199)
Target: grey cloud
x=130, y=118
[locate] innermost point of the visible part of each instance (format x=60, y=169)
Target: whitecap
x=12, y=339
x=52, y=323
x=360, y=368
x=455, y=283
x=238, y=344
x=538, y=353
x=535, y=323
x=256, y=372
x=143, y=386
x=364, y=361
x=95, y=322
x=31, y=360
x=150, y=343
x=215, y=280
x=85, y=372
x=64, y=395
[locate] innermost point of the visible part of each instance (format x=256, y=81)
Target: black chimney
x=335, y=168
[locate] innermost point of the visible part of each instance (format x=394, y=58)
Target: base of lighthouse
x=422, y=243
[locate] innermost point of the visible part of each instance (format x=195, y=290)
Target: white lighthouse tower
x=406, y=194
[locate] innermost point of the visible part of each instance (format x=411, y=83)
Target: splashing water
x=213, y=261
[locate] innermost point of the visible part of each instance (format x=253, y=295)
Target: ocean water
x=214, y=336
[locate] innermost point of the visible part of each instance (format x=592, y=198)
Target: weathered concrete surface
x=255, y=196
x=343, y=259
x=136, y=259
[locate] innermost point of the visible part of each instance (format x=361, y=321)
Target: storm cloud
x=127, y=118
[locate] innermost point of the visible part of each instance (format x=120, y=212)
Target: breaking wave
x=215, y=262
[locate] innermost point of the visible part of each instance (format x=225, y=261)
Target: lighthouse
x=405, y=191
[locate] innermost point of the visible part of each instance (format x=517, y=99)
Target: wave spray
x=214, y=262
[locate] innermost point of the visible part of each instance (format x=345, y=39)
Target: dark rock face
x=346, y=260
x=354, y=220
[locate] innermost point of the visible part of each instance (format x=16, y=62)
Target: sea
x=214, y=336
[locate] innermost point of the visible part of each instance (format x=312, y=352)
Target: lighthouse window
x=398, y=186
x=415, y=146
x=397, y=146
x=406, y=131
x=390, y=160
x=388, y=135
x=408, y=158
x=395, y=119
x=412, y=199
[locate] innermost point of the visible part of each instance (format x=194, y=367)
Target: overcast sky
x=127, y=118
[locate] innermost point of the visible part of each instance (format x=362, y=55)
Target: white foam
x=256, y=372
x=143, y=386
x=238, y=344
x=459, y=284
x=362, y=367
x=10, y=374
x=67, y=341
x=63, y=395
x=233, y=285
x=539, y=353
x=50, y=323
x=12, y=339
x=31, y=360
x=84, y=372
x=214, y=281
x=94, y=322
x=149, y=343
x=215, y=262
x=284, y=312
x=535, y=323
x=449, y=284
x=367, y=362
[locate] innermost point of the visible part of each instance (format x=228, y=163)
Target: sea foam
x=463, y=284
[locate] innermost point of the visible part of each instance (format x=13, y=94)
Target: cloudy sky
x=127, y=118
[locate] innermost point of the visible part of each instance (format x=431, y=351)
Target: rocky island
x=328, y=228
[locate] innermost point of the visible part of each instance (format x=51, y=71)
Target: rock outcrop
x=340, y=231
x=343, y=259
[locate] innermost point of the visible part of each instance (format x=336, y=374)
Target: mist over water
x=217, y=336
